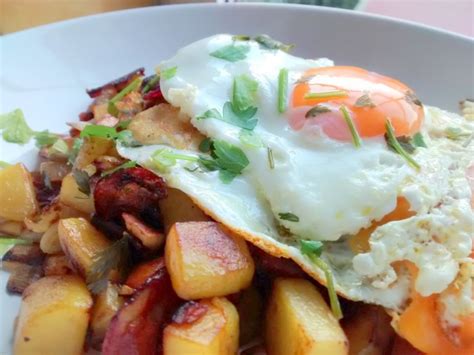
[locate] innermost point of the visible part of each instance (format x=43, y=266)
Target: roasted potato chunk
x=91, y=149
x=80, y=241
x=17, y=193
x=369, y=331
x=205, y=261
x=209, y=327
x=163, y=124
x=49, y=242
x=300, y=322
x=53, y=317
x=72, y=197
x=178, y=207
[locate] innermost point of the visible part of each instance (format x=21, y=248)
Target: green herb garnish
x=316, y=110
x=230, y=159
x=124, y=124
x=455, y=133
x=15, y=129
x=418, y=140
x=348, y=119
x=168, y=73
x=126, y=138
x=126, y=165
x=45, y=139
x=243, y=119
x=313, y=249
x=6, y=242
x=164, y=158
x=115, y=257
x=270, y=43
x=288, y=216
x=151, y=83
x=112, y=109
x=271, y=161
x=282, y=90
x=82, y=180
x=326, y=94
x=395, y=145
x=241, y=38
x=76, y=147
x=244, y=93
x=205, y=145
x=364, y=101
x=250, y=139
x=231, y=52
x=93, y=130
x=59, y=147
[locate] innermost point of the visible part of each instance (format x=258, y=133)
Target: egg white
x=334, y=188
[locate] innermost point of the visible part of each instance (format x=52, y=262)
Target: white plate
x=46, y=70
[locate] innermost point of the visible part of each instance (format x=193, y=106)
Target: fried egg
x=307, y=176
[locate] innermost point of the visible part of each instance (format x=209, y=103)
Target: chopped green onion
x=316, y=110
x=267, y=42
x=151, y=83
x=393, y=142
x=76, y=147
x=282, y=90
x=126, y=165
x=418, y=140
x=241, y=38
x=287, y=216
x=169, y=73
x=355, y=135
x=455, y=133
x=271, y=161
x=112, y=109
x=98, y=131
x=45, y=138
x=323, y=95
x=165, y=158
x=250, y=139
x=313, y=250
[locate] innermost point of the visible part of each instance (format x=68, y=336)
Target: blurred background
x=452, y=15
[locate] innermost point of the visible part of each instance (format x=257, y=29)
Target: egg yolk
x=370, y=98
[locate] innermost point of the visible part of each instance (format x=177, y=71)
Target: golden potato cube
x=211, y=329
x=178, y=207
x=91, y=149
x=72, y=197
x=17, y=193
x=299, y=322
x=206, y=261
x=80, y=242
x=106, y=305
x=49, y=242
x=53, y=318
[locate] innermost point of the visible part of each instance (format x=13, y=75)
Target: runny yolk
x=370, y=98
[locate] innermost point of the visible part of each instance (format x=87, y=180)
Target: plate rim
x=230, y=6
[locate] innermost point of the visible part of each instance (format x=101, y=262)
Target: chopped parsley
x=316, y=110
x=169, y=73
x=14, y=127
x=270, y=43
x=348, y=119
x=395, y=145
x=231, y=52
x=326, y=94
x=418, y=140
x=313, y=249
x=114, y=257
x=45, y=139
x=364, y=101
x=241, y=38
x=134, y=85
x=243, y=119
x=288, y=216
x=93, y=130
x=244, y=93
x=282, y=90
x=205, y=145
x=82, y=180
x=126, y=165
x=229, y=159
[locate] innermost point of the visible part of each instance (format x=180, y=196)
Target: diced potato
x=72, y=197
x=205, y=261
x=80, y=241
x=163, y=124
x=178, y=207
x=150, y=238
x=40, y=223
x=11, y=228
x=214, y=331
x=56, y=265
x=49, y=242
x=106, y=305
x=53, y=318
x=300, y=322
x=369, y=331
x=17, y=193
x=91, y=149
